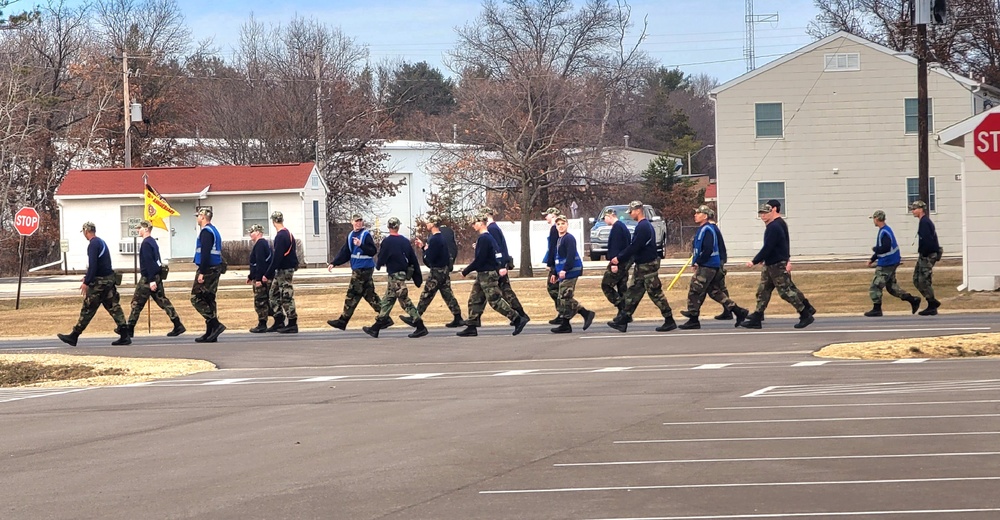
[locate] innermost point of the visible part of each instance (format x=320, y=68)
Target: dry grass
x=968, y=345
x=117, y=371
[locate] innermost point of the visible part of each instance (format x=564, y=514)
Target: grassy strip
x=23, y=373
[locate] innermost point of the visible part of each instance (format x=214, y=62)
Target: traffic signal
x=939, y=12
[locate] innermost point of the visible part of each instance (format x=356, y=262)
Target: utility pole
x=320, y=127
x=126, y=115
x=923, y=160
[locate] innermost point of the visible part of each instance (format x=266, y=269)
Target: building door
x=183, y=229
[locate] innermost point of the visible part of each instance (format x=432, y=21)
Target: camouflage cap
x=356, y=217
x=610, y=211
x=775, y=203
x=878, y=215
x=434, y=219
x=145, y=224
x=277, y=216
x=479, y=218
x=89, y=226
x=204, y=211
x=562, y=218
x=256, y=228
x=488, y=211
x=764, y=208
x=918, y=204
x=551, y=211
x=392, y=223
x=703, y=209
x=635, y=204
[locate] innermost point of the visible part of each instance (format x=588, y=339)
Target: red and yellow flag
x=157, y=208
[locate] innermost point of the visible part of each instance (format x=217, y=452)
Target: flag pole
x=679, y=273
x=149, y=303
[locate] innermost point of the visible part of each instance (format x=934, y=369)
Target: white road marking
x=711, y=366
x=852, y=405
x=227, y=381
x=8, y=395
x=612, y=369
x=891, y=387
x=835, y=419
x=806, y=437
x=801, y=331
x=421, y=376
x=810, y=515
x=761, y=391
x=515, y=373
x=910, y=360
x=775, y=459
x=321, y=379
x=738, y=485
x=810, y=363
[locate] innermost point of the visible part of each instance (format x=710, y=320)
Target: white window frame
x=314, y=179
x=757, y=121
x=841, y=62
x=915, y=116
x=262, y=221
x=932, y=193
x=782, y=198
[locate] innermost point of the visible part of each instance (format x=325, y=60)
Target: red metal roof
x=186, y=179
x=711, y=191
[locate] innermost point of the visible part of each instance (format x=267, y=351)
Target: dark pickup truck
x=599, y=233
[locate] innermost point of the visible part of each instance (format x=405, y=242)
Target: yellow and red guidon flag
x=157, y=209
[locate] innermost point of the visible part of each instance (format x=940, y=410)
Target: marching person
x=150, y=285
x=614, y=283
x=569, y=267
x=774, y=275
x=284, y=262
x=886, y=256
x=485, y=290
x=260, y=260
x=929, y=253
x=98, y=288
x=360, y=251
x=400, y=262
x=448, y=235
x=208, y=258
x=776, y=215
x=550, y=260
x=646, y=279
x=507, y=261
x=708, y=278
x=438, y=260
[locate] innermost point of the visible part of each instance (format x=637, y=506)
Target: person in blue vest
x=886, y=258
x=359, y=249
x=151, y=283
x=98, y=288
x=550, y=260
x=208, y=258
x=260, y=259
x=400, y=261
x=708, y=277
x=284, y=262
x=615, y=280
x=569, y=267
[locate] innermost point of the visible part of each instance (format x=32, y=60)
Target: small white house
x=239, y=197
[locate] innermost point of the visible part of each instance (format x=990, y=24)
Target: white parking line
x=8, y=395
x=321, y=379
x=816, y=331
x=805, y=437
x=421, y=376
x=810, y=363
x=775, y=459
x=812, y=515
x=910, y=360
x=226, y=381
x=711, y=366
x=613, y=369
x=737, y=485
x=851, y=405
x=515, y=372
x=835, y=419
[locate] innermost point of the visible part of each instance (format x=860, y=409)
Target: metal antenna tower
x=748, y=44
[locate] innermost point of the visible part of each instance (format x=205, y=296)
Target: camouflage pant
x=923, y=276
x=360, y=288
x=101, y=292
x=885, y=278
x=281, y=297
x=552, y=289
x=568, y=306
x=646, y=281
x=203, y=294
x=614, y=285
x=776, y=277
x=396, y=290
x=143, y=294
x=764, y=297
x=708, y=281
x=484, y=291
x=439, y=279
x=508, y=294
x=262, y=300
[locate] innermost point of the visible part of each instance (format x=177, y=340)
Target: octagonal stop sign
x=26, y=221
x=986, y=139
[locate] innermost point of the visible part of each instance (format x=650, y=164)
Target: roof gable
x=178, y=180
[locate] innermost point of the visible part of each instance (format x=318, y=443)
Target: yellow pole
x=679, y=273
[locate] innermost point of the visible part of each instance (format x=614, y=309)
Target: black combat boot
x=339, y=323
x=131, y=329
x=668, y=325
x=914, y=303
x=208, y=330
x=620, y=323
x=179, y=328
x=809, y=307
x=741, y=314
x=692, y=323
x=407, y=320
x=520, y=322
x=932, y=307
x=291, y=328
x=373, y=330
x=751, y=322
x=554, y=321
x=726, y=315
x=686, y=313
x=69, y=339
x=455, y=323
x=261, y=326
x=123, y=337
x=421, y=330
x=876, y=310
x=279, y=321
x=216, y=329
x=563, y=328
x=468, y=332
x=588, y=317
x=804, y=319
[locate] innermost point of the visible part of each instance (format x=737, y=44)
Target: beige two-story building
x=831, y=131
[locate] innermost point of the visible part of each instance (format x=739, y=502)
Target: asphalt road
x=709, y=424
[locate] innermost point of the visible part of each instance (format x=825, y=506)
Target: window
x=255, y=213
x=768, y=119
x=316, y=217
x=130, y=212
x=315, y=181
x=913, y=193
x=911, y=115
x=842, y=62
x=771, y=190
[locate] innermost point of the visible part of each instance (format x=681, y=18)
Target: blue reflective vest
x=715, y=261
x=215, y=255
x=892, y=257
x=561, y=261
x=359, y=260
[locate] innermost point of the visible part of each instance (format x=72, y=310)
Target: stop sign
x=987, y=141
x=26, y=221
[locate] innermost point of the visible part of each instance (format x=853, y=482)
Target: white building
x=830, y=130
x=239, y=197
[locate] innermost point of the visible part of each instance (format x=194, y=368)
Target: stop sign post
x=986, y=141
x=26, y=223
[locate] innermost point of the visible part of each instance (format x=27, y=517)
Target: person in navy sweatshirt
x=260, y=260
x=929, y=253
x=438, y=259
x=647, y=269
x=507, y=262
x=400, y=262
x=150, y=285
x=569, y=267
x=98, y=288
x=615, y=280
x=284, y=262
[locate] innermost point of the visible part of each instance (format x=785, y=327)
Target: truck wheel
x=595, y=256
